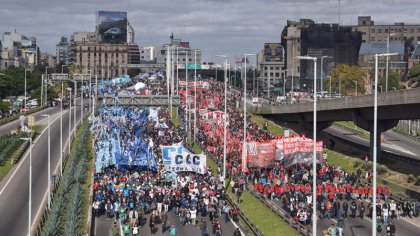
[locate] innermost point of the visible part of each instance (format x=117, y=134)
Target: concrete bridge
x=392, y=107
x=140, y=100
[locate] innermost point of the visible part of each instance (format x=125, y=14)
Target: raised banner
x=260, y=155
x=177, y=158
x=297, y=150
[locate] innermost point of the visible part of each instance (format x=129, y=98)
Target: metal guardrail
x=254, y=228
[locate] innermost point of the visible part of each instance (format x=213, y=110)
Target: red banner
x=260, y=155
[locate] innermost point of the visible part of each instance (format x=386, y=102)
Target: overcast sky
x=231, y=27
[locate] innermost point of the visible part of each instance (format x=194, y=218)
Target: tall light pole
x=386, y=69
x=74, y=106
x=46, y=86
x=25, y=89
x=224, y=121
x=322, y=71
x=177, y=78
x=49, y=160
x=355, y=81
x=375, y=136
x=30, y=185
x=186, y=96
x=195, y=94
x=69, y=89
x=291, y=91
x=314, y=217
x=330, y=84
x=61, y=128
x=244, y=161
x=339, y=86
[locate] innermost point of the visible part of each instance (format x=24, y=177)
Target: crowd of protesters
x=133, y=197
x=340, y=194
x=129, y=195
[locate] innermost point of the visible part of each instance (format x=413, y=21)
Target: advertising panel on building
x=273, y=52
x=111, y=26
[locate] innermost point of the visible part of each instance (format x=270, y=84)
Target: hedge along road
x=14, y=189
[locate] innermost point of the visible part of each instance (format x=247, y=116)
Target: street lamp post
x=244, y=143
x=30, y=185
x=224, y=122
x=49, y=160
x=69, y=89
x=46, y=86
x=195, y=94
x=375, y=136
x=291, y=91
x=74, y=107
x=330, y=84
x=186, y=96
x=322, y=71
x=386, y=69
x=25, y=88
x=355, y=81
x=314, y=217
x=61, y=128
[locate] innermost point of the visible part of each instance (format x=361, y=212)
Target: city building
x=102, y=59
x=107, y=51
x=19, y=50
x=185, y=52
x=62, y=51
x=147, y=54
x=306, y=38
x=270, y=65
x=47, y=60
x=397, y=32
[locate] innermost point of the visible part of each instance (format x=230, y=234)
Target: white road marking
x=22, y=160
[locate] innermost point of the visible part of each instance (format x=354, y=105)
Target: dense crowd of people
x=340, y=194
x=129, y=195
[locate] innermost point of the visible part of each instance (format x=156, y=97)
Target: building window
x=372, y=38
x=265, y=75
x=418, y=38
x=372, y=30
x=379, y=38
x=271, y=68
x=386, y=31
x=392, y=30
x=265, y=68
x=399, y=30
x=379, y=30
x=277, y=74
x=277, y=68
x=412, y=31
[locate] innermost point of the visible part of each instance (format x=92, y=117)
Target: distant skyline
x=228, y=27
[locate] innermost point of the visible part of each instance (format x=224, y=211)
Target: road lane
x=14, y=197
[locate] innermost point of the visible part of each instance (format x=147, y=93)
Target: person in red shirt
x=341, y=191
x=386, y=193
x=360, y=192
x=354, y=192
x=366, y=192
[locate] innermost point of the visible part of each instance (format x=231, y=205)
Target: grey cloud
x=217, y=26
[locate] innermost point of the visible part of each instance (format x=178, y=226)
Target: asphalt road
x=14, y=188
x=38, y=116
x=104, y=227
x=394, y=142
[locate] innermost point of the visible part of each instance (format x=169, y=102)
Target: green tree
x=4, y=106
x=415, y=73
x=394, y=80
x=343, y=79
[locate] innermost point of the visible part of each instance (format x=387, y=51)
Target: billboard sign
x=112, y=26
x=273, y=52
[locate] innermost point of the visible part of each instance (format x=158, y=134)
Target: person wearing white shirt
x=193, y=213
